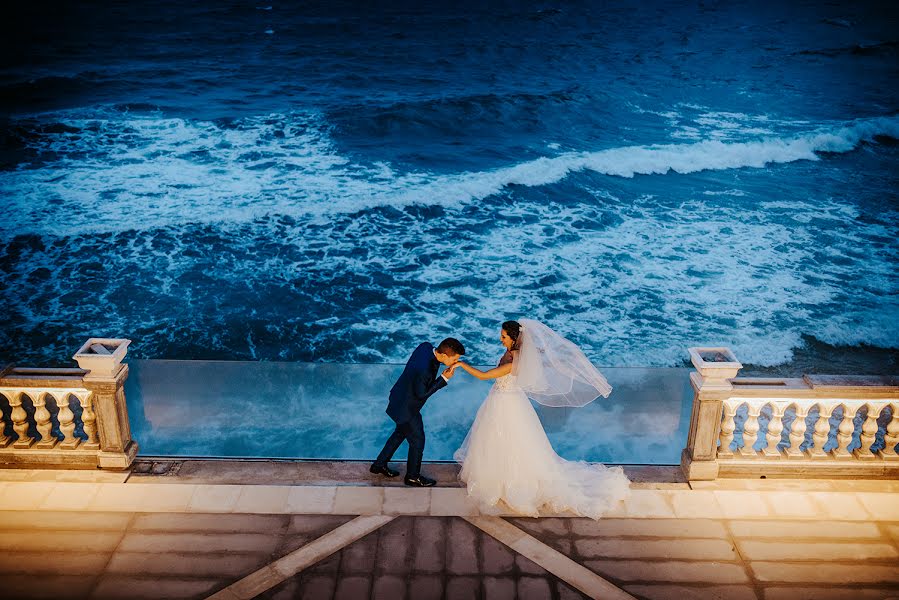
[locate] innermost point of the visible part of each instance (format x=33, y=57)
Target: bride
x=506, y=456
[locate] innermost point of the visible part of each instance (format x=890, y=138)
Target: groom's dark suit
x=417, y=383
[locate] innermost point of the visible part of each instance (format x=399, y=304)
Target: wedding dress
x=507, y=457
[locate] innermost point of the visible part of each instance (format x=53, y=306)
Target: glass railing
x=336, y=412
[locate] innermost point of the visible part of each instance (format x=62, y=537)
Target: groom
x=408, y=395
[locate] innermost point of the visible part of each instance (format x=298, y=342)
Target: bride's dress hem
x=507, y=458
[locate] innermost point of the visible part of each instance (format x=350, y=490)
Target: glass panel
x=336, y=411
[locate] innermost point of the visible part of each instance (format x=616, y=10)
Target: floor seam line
x=287, y=566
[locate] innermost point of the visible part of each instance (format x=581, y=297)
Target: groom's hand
x=449, y=372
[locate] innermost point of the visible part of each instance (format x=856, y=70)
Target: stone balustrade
x=815, y=426
x=72, y=418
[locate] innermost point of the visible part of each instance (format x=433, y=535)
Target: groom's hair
x=451, y=346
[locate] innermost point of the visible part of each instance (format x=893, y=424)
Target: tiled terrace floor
x=289, y=530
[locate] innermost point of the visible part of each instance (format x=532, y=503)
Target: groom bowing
x=417, y=383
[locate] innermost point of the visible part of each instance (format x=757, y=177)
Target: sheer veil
x=553, y=371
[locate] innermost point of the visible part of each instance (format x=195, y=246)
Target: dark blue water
x=335, y=182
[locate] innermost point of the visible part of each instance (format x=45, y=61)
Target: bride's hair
x=513, y=330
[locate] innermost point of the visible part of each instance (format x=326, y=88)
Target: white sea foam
x=637, y=292
x=165, y=171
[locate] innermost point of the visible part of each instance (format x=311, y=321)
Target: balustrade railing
x=814, y=426
x=72, y=418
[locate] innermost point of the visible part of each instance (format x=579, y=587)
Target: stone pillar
x=106, y=382
x=715, y=367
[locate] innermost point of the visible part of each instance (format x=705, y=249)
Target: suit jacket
x=417, y=383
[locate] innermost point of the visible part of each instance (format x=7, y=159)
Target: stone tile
x=462, y=548
x=426, y=587
x=215, y=498
x=118, y=497
x=359, y=557
x=841, y=506
x=54, y=563
x=463, y=588
x=499, y=588
x=289, y=589
x=742, y=505
x=673, y=571
x=529, y=567
x=496, y=557
x=192, y=542
x=795, y=505
x=893, y=530
x=693, y=528
x=226, y=564
x=695, y=504
x=389, y=587
x=167, y=497
x=311, y=499
x=566, y=592
x=292, y=542
x=681, y=548
x=46, y=587
x=551, y=526
x=686, y=592
x=394, y=546
x=406, y=501
x=789, y=530
x=647, y=504
x=352, y=588
x=782, y=550
x=831, y=593
x=25, y=495
x=351, y=500
x=429, y=535
x=170, y=522
x=842, y=574
x=451, y=502
x=69, y=496
x=882, y=507
x=118, y=587
x=316, y=525
x=316, y=587
x=329, y=565
x=40, y=520
x=330, y=543
x=533, y=588
x=48, y=541
x=262, y=499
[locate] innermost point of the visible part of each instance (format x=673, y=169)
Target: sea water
x=336, y=182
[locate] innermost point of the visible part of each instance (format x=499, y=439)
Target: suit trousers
x=412, y=431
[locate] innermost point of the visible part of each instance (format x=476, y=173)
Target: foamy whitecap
x=168, y=171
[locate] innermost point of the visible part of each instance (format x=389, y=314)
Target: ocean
x=338, y=181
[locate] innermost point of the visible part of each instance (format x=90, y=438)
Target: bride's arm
x=491, y=374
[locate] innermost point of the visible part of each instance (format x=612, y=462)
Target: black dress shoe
x=420, y=481
x=385, y=470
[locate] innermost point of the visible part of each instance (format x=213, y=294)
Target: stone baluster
x=891, y=438
x=727, y=430
x=711, y=383
x=869, y=433
x=19, y=420
x=797, y=433
x=5, y=440
x=775, y=429
x=822, y=429
x=89, y=420
x=844, y=432
x=42, y=419
x=751, y=430
x=66, y=421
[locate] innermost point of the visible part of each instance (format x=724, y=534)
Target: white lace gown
x=507, y=457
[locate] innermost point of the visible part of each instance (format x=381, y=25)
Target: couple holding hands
x=507, y=460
